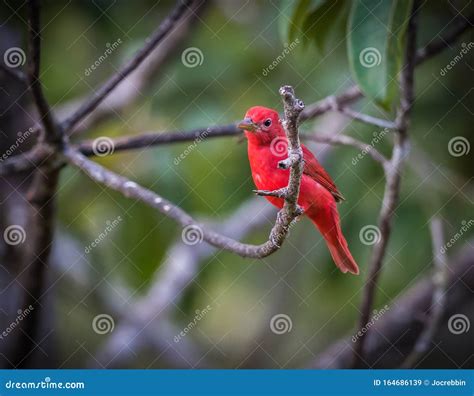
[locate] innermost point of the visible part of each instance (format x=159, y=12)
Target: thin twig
x=345, y=140
x=365, y=118
x=155, y=138
x=290, y=211
x=137, y=84
x=462, y=24
x=438, y=302
x=99, y=95
x=392, y=186
x=34, y=62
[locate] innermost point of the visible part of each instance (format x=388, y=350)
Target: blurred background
x=126, y=289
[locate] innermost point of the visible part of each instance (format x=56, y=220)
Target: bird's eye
x=267, y=122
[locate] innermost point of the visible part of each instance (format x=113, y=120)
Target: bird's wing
x=313, y=169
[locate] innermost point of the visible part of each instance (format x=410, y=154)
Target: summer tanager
x=267, y=145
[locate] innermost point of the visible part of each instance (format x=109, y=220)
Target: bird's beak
x=247, y=125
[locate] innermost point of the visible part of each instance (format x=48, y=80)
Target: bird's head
x=261, y=125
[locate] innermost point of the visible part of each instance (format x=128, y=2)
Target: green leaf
x=292, y=16
x=324, y=21
x=376, y=38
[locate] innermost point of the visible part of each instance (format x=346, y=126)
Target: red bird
x=267, y=145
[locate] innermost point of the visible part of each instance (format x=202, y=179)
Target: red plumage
x=267, y=145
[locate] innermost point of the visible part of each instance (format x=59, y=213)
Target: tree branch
x=41, y=198
x=98, y=96
x=290, y=211
x=437, y=308
x=139, y=82
x=392, y=186
x=155, y=139
x=34, y=60
x=345, y=140
x=365, y=118
x=393, y=336
x=461, y=23
x=21, y=162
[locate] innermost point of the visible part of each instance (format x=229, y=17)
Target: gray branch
x=100, y=94
x=393, y=336
x=290, y=211
x=392, y=185
x=438, y=302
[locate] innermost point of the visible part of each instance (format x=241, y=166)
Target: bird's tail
x=331, y=230
x=342, y=256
